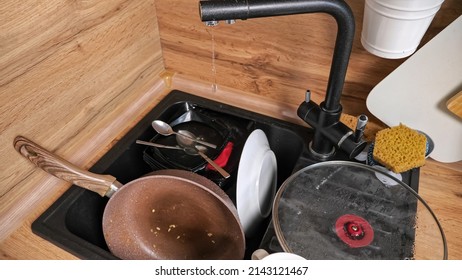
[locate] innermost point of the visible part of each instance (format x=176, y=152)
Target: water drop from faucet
x=214, y=69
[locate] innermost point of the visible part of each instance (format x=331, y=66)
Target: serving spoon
x=165, y=129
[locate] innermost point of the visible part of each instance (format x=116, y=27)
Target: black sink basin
x=73, y=222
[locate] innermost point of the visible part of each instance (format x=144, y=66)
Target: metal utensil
x=186, y=140
x=190, y=149
x=158, y=145
x=165, y=129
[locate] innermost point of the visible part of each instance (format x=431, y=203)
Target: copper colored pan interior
x=167, y=217
x=203, y=181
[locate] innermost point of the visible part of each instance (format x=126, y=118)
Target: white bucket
x=394, y=28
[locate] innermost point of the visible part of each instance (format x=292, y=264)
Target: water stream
x=214, y=69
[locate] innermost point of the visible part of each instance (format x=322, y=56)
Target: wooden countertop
x=440, y=184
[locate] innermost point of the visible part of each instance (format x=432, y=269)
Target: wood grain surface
x=454, y=104
x=68, y=72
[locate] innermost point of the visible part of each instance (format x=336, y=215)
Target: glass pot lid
x=348, y=210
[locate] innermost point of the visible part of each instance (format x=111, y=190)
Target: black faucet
x=329, y=132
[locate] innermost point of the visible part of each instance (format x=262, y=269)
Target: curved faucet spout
x=217, y=10
x=324, y=119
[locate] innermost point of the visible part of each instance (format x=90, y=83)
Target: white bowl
x=261, y=254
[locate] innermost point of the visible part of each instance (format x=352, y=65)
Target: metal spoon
x=186, y=140
x=165, y=129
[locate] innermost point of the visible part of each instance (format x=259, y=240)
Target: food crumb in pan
x=158, y=228
x=153, y=210
x=209, y=234
x=178, y=237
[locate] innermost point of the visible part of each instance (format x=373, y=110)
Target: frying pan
x=167, y=214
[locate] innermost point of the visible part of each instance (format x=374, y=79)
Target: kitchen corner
x=81, y=87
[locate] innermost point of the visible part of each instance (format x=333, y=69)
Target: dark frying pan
x=168, y=214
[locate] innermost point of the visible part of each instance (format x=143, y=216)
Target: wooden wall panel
x=67, y=71
x=277, y=58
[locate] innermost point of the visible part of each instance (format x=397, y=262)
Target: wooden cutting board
x=454, y=104
x=416, y=93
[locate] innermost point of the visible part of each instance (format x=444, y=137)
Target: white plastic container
x=394, y=28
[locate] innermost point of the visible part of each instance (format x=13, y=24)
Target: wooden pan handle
x=62, y=169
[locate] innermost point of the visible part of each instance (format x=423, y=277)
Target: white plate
x=256, y=181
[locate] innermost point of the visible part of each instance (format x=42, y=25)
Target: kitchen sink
x=74, y=221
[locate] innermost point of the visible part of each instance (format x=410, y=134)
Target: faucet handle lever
x=360, y=127
x=307, y=95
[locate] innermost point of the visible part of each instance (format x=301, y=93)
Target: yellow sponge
x=400, y=148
